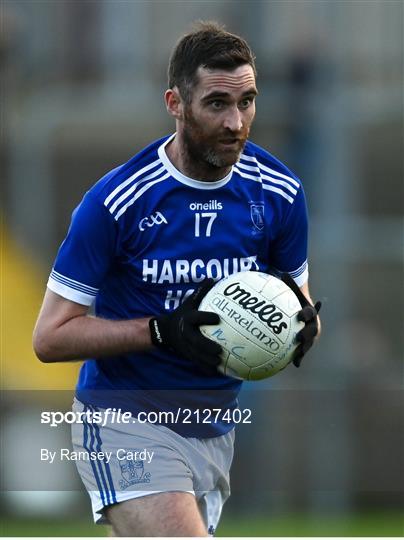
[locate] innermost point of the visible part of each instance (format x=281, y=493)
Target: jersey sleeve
x=290, y=248
x=86, y=254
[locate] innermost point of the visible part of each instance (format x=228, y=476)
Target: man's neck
x=200, y=170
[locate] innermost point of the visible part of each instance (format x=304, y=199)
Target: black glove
x=179, y=332
x=308, y=315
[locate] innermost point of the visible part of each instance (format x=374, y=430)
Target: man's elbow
x=43, y=348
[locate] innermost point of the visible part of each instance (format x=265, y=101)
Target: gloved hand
x=179, y=332
x=308, y=315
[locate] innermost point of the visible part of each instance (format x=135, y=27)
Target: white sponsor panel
x=195, y=271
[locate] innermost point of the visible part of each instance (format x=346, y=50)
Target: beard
x=203, y=148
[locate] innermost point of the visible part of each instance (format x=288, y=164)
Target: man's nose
x=233, y=119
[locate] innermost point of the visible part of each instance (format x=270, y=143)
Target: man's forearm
x=85, y=336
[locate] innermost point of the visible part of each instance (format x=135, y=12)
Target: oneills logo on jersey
x=154, y=219
x=213, y=204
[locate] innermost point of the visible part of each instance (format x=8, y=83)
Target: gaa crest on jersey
x=132, y=472
x=154, y=219
x=257, y=215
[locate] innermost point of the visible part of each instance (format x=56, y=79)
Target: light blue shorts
x=122, y=461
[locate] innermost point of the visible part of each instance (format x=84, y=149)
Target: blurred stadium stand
x=82, y=86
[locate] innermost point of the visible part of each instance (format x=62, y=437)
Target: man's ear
x=174, y=103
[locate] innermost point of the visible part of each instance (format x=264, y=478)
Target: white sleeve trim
x=300, y=275
x=69, y=293
x=303, y=278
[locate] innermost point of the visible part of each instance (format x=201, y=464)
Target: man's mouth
x=230, y=142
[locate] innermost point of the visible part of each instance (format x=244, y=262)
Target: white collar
x=175, y=173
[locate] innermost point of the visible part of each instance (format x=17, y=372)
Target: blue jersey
x=145, y=236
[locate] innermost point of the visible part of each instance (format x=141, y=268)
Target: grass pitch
x=292, y=525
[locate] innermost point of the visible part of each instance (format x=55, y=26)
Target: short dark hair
x=209, y=45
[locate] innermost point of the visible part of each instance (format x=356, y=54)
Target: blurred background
x=82, y=91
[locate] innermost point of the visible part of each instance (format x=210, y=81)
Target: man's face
x=217, y=122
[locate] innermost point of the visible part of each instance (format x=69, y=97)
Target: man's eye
x=246, y=103
x=217, y=104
